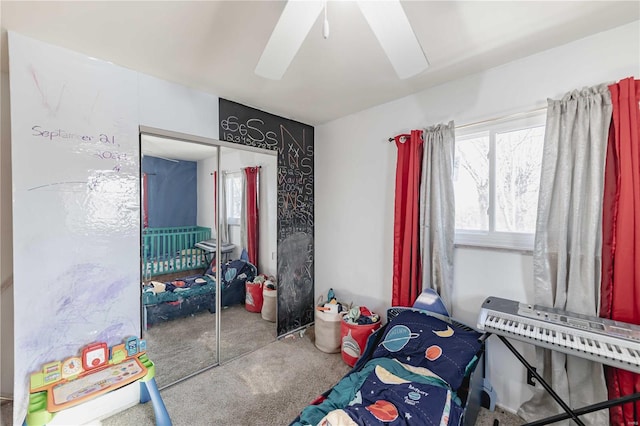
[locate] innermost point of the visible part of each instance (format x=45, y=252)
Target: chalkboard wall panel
x=294, y=142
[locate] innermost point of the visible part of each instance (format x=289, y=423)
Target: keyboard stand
x=569, y=412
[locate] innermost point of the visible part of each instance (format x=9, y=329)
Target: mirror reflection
x=178, y=297
x=248, y=231
x=183, y=193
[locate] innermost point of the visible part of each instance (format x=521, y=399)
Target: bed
x=419, y=369
x=170, y=250
x=164, y=301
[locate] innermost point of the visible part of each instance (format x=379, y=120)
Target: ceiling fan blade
x=292, y=28
x=393, y=30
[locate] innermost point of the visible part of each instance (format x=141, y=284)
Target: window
x=496, y=181
x=233, y=193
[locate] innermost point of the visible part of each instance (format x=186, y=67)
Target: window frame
x=517, y=241
x=232, y=220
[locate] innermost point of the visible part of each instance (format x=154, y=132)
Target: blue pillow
x=421, y=340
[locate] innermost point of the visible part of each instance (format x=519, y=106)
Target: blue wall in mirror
x=172, y=192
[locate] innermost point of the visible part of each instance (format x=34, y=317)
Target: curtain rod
x=228, y=172
x=489, y=120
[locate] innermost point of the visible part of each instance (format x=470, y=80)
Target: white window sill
x=502, y=241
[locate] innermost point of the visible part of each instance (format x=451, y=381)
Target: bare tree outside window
x=471, y=183
x=518, y=163
x=234, y=197
x=496, y=184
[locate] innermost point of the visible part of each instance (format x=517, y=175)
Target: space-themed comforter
x=187, y=296
x=411, y=378
x=235, y=274
x=386, y=392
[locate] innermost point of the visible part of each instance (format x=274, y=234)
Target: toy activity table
x=62, y=385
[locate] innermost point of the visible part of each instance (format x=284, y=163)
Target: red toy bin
x=254, y=299
x=354, y=339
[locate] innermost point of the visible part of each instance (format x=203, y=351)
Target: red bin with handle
x=354, y=339
x=254, y=298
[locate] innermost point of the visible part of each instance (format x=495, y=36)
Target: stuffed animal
x=158, y=287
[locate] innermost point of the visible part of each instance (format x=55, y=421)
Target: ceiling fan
x=387, y=20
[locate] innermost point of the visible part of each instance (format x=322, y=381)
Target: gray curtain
x=567, y=251
x=437, y=207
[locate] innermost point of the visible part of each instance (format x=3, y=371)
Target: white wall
x=355, y=182
x=161, y=104
x=170, y=106
x=6, y=237
x=206, y=204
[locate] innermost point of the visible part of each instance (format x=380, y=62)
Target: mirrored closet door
x=248, y=236
x=178, y=287
x=209, y=228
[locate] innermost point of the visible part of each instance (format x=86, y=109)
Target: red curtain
x=407, y=275
x=145, y=201
x=620, y=289
x=251, y=174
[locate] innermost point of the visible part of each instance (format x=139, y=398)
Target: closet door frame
x=218, y=144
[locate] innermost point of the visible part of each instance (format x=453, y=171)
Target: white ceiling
x=214, y=46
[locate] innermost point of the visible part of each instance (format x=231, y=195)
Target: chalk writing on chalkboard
x=294, y=143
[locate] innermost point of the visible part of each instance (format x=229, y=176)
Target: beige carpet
x=267, y=387
x=184, y=346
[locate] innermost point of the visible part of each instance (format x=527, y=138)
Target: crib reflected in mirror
x=187, y=188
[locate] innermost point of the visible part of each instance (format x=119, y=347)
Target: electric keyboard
x=602, y=340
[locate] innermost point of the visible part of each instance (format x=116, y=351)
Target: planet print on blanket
x=383, y=411
x=398, y=337
x=433, y=352
x=230, y=274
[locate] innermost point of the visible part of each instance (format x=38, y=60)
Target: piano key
x=563, y=339
x=624, y=355
x=581, y=343
x=529, y=331
x=599, y=348
x=613, y=352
